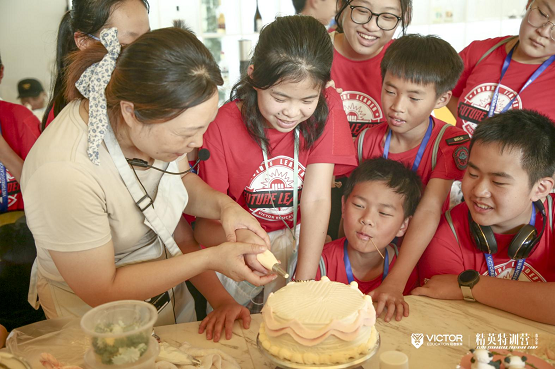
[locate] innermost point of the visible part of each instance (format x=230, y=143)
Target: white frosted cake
x=320, y=322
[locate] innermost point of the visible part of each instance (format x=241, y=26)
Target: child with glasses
x=509, y=72
x=365, y=29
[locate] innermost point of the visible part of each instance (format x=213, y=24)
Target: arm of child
x=315, y=209
x=209, y=232
x=421, y=230
x=226, y=309
x=206, y=202
x=10, y=159
x=532, y=300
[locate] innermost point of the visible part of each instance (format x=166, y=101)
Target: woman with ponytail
x=104, y=202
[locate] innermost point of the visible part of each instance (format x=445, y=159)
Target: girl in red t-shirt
x=280, y=135
x=364, y=31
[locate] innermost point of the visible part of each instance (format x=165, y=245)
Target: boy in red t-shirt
x=418, y=74
x=504, y=229
x=380, y=197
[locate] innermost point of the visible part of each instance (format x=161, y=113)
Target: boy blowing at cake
x=379, y=199
x=502, y=235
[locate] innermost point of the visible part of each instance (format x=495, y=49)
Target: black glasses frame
x=378, y=15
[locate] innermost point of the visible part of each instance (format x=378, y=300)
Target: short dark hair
x=163, y=73
x=299, y=5
x=394, y=174
x=527, y=131
x=423, y=60
x=290, y=49
x=406, y=13
x=0, y=60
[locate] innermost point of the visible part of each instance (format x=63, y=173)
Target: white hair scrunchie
x=92, y=85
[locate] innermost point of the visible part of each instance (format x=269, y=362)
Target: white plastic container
x=394, y=360
x=120, y=334
x=13, y=362
x=147, y=361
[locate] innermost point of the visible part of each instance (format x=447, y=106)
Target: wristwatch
x=467, y=280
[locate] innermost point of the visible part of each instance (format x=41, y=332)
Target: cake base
x=286, y=364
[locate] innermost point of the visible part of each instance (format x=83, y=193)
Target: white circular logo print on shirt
x=480, y=97
x=528, y=274
x=273, y=188
x=360, y=107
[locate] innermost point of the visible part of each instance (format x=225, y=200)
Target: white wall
x=28, y=30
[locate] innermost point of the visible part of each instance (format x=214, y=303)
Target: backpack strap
x=550, y=210
x=492, y=49
x=450, y=222
x=436, y=144
x=395, y=248
x=360, y=144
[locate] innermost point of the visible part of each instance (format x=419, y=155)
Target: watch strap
x=466, y=286
x=467, y=293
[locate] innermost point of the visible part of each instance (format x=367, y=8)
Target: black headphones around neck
x=522, y=244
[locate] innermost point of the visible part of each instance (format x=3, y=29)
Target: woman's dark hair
x=88, y=17
x=163, y=73
x=406, y=13
x=290, y=49
x=299, y=5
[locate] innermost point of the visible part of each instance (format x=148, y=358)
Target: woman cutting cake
x=100, y=221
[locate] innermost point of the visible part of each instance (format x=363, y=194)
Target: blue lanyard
x=3, y=187
x=349, y=270
x=421, y=149
x=295, y=181
x=532, y=78
x=519, y=264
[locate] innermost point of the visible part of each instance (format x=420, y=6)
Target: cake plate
x=286, y=364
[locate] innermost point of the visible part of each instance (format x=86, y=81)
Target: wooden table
x=427, y=316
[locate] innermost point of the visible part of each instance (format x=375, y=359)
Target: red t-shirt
x=334, y=256
x=445, y=256
x=477, y=84
x=20, y=129
x=452, y=154
x=361, y=82
x=236, y=165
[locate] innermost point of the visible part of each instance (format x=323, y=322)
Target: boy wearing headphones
x=504, y=229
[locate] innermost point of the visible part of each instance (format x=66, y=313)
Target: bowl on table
x=120, y=334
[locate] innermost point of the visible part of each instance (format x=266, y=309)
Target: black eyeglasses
x=362, y=15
